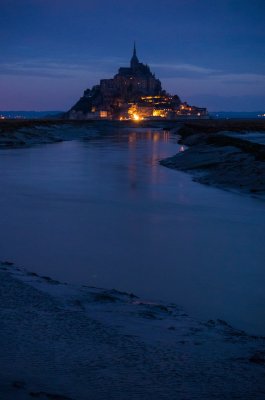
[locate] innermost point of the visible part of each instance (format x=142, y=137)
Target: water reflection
x=140, y=147
x=155, y=138
x=104, y=212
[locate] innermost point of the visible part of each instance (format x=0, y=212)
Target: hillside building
x=133, y=93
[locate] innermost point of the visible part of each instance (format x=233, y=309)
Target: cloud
x=196, y=72
x=241, y=78
x=61, y=69
x=185, y=68
x=229, y=103
x=189, y=80
x=6, y=70
x=35, y=69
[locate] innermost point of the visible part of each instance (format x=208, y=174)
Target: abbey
x=133, y=93
x=132, y=82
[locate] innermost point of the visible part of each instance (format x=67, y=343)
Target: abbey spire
x=134, y=59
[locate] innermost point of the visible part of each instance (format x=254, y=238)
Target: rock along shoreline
x=228, y=154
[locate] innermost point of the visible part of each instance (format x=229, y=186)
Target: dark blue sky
x=210, y=52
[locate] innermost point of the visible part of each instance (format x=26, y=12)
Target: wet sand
x=62, y=341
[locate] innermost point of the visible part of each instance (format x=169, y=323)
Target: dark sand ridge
x=220, y=153
x=24, y=133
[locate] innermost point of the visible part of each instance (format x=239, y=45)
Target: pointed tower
x=134, y=59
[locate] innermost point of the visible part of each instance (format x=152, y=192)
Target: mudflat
x=79, y=342
x=229, y=154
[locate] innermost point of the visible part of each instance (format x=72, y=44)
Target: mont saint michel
x=134, y=93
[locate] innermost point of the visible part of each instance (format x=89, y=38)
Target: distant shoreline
x=28, y=132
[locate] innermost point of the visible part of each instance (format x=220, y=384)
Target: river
x=103, y=212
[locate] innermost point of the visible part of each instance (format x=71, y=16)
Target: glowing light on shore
x=136, y=117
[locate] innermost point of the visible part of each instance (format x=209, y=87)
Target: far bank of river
x=227, y=154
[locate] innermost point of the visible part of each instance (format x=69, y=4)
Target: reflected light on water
x=154, y=140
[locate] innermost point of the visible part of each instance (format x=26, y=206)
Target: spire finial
x=134, y=48
x=134, y=59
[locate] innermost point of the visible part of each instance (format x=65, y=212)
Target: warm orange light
x=159, y=113
x=136, y=117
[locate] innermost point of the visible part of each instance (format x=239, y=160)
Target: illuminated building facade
x=133, y=93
